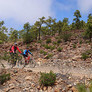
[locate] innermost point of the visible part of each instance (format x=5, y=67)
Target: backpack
x=10, y=48
x=15, y=48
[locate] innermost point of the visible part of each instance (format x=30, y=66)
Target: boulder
x=28, y=78
x=74, y=89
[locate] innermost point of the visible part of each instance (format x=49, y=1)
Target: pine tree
x=77, y=19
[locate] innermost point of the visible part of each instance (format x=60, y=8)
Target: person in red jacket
x=13, y=53
x=14, y=48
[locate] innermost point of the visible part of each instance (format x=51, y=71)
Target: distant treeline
x=45, y=27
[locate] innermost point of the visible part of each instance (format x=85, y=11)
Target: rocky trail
x=26, y=79
x=58, y=66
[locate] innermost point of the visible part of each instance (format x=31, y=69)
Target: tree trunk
x=36, y=35
x=90, y=38
x=39, y=31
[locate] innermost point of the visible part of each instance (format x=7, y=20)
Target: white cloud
x=85, y=6
x=25, y=10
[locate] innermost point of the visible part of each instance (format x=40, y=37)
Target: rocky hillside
x=71, y=61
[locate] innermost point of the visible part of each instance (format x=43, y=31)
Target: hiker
x=13, y=53
x=25, y=55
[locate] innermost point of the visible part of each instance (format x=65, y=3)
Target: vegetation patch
x=74, y=45
x=4, y=78
x=49, y=56
x=59, y=49
x=48, y=40
x=59, y=41
x=1, y=41
x=47, y=79
x=86, y=54
x=54, y=43
x=39, y=41
x=83, y=88
x=43, y=52
x=57, y=37
x=52, y=47
x=80, y=42
x=5, y=56
x=66, y=36
x=49, y=47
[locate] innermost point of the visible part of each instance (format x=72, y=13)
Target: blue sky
x=15, y=13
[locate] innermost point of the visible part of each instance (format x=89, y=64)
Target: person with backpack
x=14, y=48
x=25, y=55
x=13, y=53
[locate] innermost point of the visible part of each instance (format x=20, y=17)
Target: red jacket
x=13, y=49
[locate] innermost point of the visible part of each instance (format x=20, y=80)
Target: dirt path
x=77, y=72
x=74, y=71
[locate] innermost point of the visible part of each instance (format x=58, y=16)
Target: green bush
x=90, y=87
x=5, y=56
x=87, y=41
x=81, y=88
x=28, y=45
x=89, y=52
x=49, y=56
x=52, y=47
x=48, y=40
x=80, y=42
x=59, y=49
x=0, y=57
x=85, y=56
x=47, y=79
x=47, y=46
x=59, y=41
x=66, y=36
x=74, y=45
x=4, y=78
x=1, y=41
x=57, y=37
x=54, y=43
x=39, y=41
x=28, y=36
x=43, y=52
